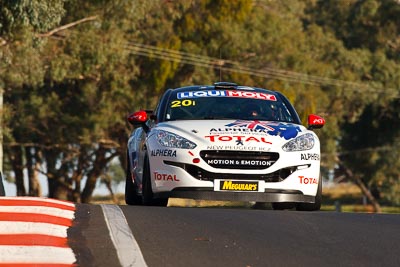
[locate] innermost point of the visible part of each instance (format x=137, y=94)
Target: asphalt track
x=47, y=232
x=233, y=237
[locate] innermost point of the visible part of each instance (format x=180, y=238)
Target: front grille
x=247, y=160
x=204, y=175
x=210, y=176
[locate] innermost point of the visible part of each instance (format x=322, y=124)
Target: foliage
x=67, y=94
x=369, y=135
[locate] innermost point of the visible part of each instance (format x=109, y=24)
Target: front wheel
x=131, y=189
x=148, y=196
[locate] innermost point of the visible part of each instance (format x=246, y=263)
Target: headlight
x=168, y=139
x=304, y=142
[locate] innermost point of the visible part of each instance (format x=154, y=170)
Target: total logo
x=305, y=180
x=239, y=139
x=165, y=177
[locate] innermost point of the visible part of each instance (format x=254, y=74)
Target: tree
x=69, y=117
x=369, y=135
x=20, y=62
x=91, y=73
x=72, y=77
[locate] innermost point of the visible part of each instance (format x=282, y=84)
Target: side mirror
x=315, y=122
x=138, y=118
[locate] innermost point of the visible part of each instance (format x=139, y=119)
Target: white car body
x=226, y=159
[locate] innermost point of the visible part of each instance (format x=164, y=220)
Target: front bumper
x=268, y=196
x=175, y=181
x=287, y=177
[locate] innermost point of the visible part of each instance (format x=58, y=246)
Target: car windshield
x=214, y=104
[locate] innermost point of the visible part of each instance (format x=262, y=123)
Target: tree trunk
x=33, y=179
x=108, y=183
x=1, y=131
x=357, y=180
x=18, y=168
x=93, y=175
x=58, y=187
x=62, y=190
x=76, y=193
x=99, y=164
x=77, y=176
x=2, y=191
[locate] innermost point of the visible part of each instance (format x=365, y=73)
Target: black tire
x=131, y=189
x=312, y=206
x=148, y=196
x=283, y=205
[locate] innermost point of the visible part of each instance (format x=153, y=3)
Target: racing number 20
x=183, y=103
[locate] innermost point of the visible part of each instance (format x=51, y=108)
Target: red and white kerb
x=33, y=232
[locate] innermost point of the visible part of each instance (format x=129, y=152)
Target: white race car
x=224, y=142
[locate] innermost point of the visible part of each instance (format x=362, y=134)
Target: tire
x=131, y=189
x=283, y=205
x=312, y=206
x=148, y=196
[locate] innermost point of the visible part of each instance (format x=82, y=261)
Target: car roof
x=161, y=108
x=222, y=86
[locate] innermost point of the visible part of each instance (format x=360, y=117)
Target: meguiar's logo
x=238, y=186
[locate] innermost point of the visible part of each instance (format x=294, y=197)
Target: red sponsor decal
x=237, y=138
x=315, y=121
x=139, y=116
x=305, y=180
x=256, y=95
x=318, y=121
x=165, y=177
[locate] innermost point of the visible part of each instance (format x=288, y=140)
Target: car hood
x=234, y=134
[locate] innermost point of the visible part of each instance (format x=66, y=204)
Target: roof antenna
x=220, y=65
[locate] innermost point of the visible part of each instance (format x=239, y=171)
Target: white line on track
x=33, y=228
x=128, y=250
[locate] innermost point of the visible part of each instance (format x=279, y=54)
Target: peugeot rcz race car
x=224, y=142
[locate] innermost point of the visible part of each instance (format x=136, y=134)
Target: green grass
x=348, y=198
